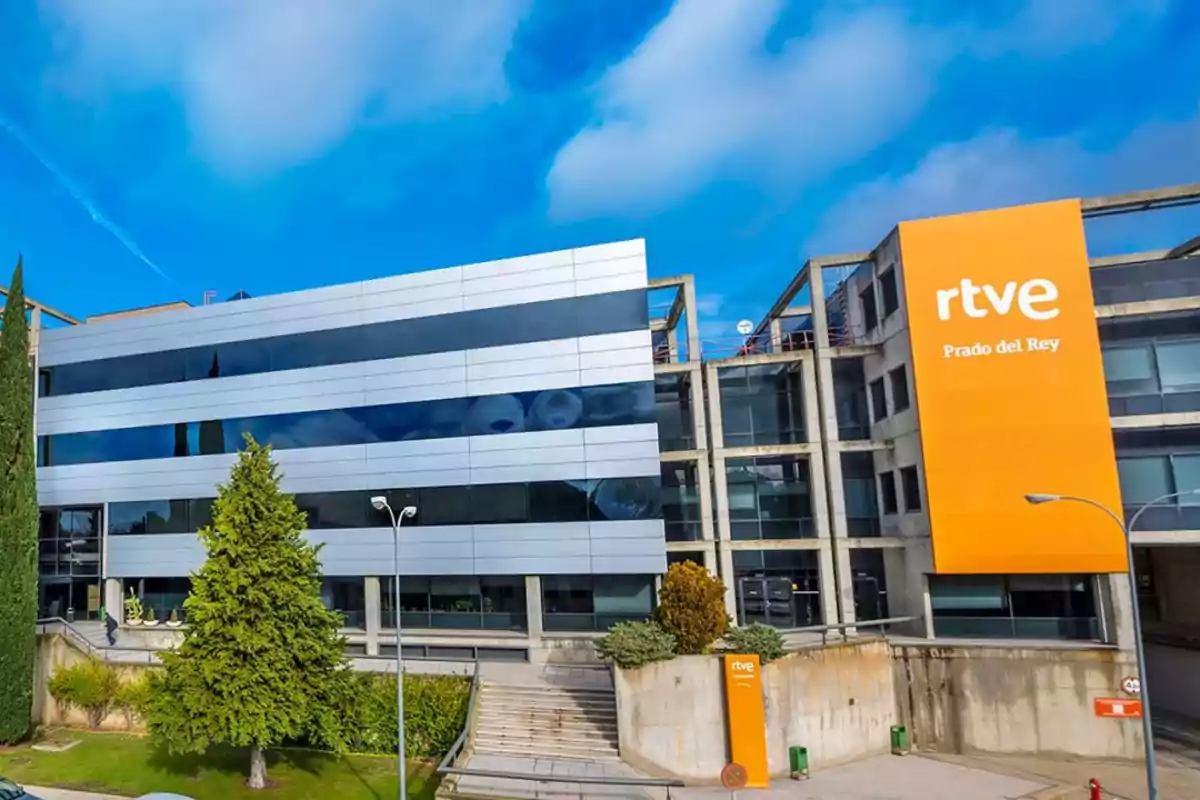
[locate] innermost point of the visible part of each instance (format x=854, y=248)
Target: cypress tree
x=262, y=661
x=18, y=519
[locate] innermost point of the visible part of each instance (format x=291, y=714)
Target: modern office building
x=864, y=453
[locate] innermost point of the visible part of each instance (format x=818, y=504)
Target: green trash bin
x=798, y=759
x=899, y=740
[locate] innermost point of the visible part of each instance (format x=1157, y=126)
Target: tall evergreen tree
x=262, y=661
x=18, y=519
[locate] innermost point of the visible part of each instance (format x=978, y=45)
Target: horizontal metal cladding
x=445, y=294
x=555, y=364
x=576, y=454
x=635, y=547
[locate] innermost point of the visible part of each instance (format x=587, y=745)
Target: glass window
x=163, y=595
x=858, y=484
x=870, y=316
x=346, y=596
x=673, y=410
x=761, y=405
x=769, y=498
x=557, y=409
x=595, y=602
x=69, y=543
x=781, y=588
x=1013, y=606
x=889, y=292
x=466, y=602
x=887, y=492
x=1144, y=478
x=681, y=502
x=899, y=381
x=1187, y=477
x=878, y=400
x=500, y=502
x=1129, y=369
x=613, y=312
x=850, y=399
x=560, y=501
x=870, y=584
x=1178, y=365
x=912, y=489
x=626, y=499
x=444, y=505
x=680, y=556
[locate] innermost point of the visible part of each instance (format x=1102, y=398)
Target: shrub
x=133, y=696
x=761, y=640
x=435, y=712
x=90, y=686
x=632, y=644
x=691, y=607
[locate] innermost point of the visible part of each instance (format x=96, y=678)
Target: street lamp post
x=1127, y=532
x=380, y=503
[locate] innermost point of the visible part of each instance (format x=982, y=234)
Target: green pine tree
x=18, y=519
x=262, y=661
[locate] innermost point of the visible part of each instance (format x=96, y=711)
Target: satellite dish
x=744, y=327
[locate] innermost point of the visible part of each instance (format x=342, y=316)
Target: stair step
x=546, y=691
x=554, y=730
x=545, y=705
x=519, y=712
x=549, y=736
x=548, y=751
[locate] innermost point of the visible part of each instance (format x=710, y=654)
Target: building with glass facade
x=565, y=433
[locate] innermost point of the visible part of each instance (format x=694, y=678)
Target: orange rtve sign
x=747, y=718
x=1010, y=391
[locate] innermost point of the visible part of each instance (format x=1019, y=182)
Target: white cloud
x=701, y=99
x=1000, y=168
x=266, y=84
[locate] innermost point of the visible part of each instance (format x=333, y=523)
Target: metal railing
x=845, y=627
x=445, y=767
x=104, y=652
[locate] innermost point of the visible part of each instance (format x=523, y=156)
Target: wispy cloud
x=78, y=196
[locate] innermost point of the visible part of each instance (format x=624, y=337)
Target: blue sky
x=151, y=150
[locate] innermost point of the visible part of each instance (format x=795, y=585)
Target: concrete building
x=792, y=463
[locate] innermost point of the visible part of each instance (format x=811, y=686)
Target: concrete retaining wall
x=1014, y=700
x=54, y=652
x=837, y=701
x=840, y=702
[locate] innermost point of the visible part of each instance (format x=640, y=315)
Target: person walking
x=110, y=628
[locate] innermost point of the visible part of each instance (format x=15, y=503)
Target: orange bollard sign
x=746, y=718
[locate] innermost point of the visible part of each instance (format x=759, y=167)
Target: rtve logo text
x=1035, y=299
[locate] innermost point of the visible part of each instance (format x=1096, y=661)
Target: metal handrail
x=824, y=630
x=455, y=748
x=92, y=649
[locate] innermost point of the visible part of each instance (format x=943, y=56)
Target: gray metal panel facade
x=634, y=547
x=630, y=547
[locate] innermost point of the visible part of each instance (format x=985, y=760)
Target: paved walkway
x=1120, y=781
x=885, y=778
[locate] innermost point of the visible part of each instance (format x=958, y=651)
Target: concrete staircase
x=546, y=722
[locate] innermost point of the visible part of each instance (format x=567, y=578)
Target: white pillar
x=371, y=599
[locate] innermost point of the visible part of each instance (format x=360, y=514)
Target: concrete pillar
x=725, y=559
x=533, y=607
x=672, y=347
x=114, y=601
x=689, y=314
x=776, y=335
x=372, y=613
x=704, y=484
x=700, y=406
x=828, y=577
x=1117, y=607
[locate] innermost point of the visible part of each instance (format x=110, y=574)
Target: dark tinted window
x=878, y=400
x=912, y=489
x=529, y=322
x=681, y=502
x=596, y=500
x=850, y=398
x=887, y=492
x=553, y=409
x=889, y=292
x=870, y=316
x=858, y=483
x=761, y=405
x=769, y=498
x=673, y=410
x=899, y=380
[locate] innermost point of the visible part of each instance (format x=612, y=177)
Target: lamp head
x=1038, y=499
x=379, y=502
x=409, y=512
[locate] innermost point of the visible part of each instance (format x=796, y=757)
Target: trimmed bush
x=133, y=697
x=758, y=639
x=90, y=686
x=632, y=644
x=435, y=712
x=691, y=607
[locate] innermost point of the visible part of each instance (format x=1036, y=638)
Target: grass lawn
x=129, y=765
